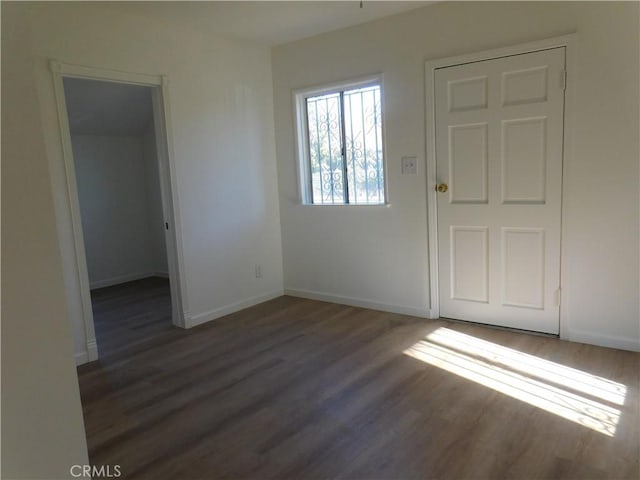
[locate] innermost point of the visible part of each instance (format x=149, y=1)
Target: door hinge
x=563, y=79
x=557, y=296
x=166, y=225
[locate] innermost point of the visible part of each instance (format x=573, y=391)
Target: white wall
x=42, y=426
x=222, y=117
x=155, y=216
x=111, y=175
x=221, y=108
x=378, y=255
x=220, y=104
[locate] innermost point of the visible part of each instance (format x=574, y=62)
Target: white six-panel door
x=499, y=135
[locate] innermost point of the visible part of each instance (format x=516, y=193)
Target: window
x=340, y=140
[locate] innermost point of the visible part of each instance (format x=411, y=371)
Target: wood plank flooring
x=130, y=313
x=300, y=389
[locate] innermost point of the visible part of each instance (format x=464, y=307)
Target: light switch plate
x=409, y=165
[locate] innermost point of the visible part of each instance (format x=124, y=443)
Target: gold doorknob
x=442, y=187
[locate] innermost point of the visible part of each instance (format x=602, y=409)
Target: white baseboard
x=200, y=318
x=89, y=355
x=357, y=302
x=621, y=343
x=130, y=277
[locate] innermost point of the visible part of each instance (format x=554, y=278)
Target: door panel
x=523, y=267
x=524, y=160
x=468, y=163
x=469, y=264
x=499, y=132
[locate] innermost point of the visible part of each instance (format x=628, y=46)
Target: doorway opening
x=119, y=182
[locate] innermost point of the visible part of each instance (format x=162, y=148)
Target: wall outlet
x=258, y=271
x=409, y=165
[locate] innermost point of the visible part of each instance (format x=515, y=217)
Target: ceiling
x=270, y=23
x=106, y=108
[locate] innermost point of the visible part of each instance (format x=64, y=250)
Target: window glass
x=345, y=152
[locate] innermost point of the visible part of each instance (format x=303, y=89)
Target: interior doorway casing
x=166, y=167
x=430, y=148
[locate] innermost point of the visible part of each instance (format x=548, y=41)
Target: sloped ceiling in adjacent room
x=107, y=108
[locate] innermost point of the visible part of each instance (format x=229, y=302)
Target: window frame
x=301, y=133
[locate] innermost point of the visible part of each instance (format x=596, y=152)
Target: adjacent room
x=113, y=142
x=359, y=240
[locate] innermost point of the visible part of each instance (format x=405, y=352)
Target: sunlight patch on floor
x=541, y=383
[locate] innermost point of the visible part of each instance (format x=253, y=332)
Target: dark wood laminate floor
x=295, y=388
x=130, y=313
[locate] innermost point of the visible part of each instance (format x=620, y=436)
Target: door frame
x=168, y=187
x=431, y=66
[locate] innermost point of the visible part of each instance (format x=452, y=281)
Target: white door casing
x=499, y=137
x=168, y=187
